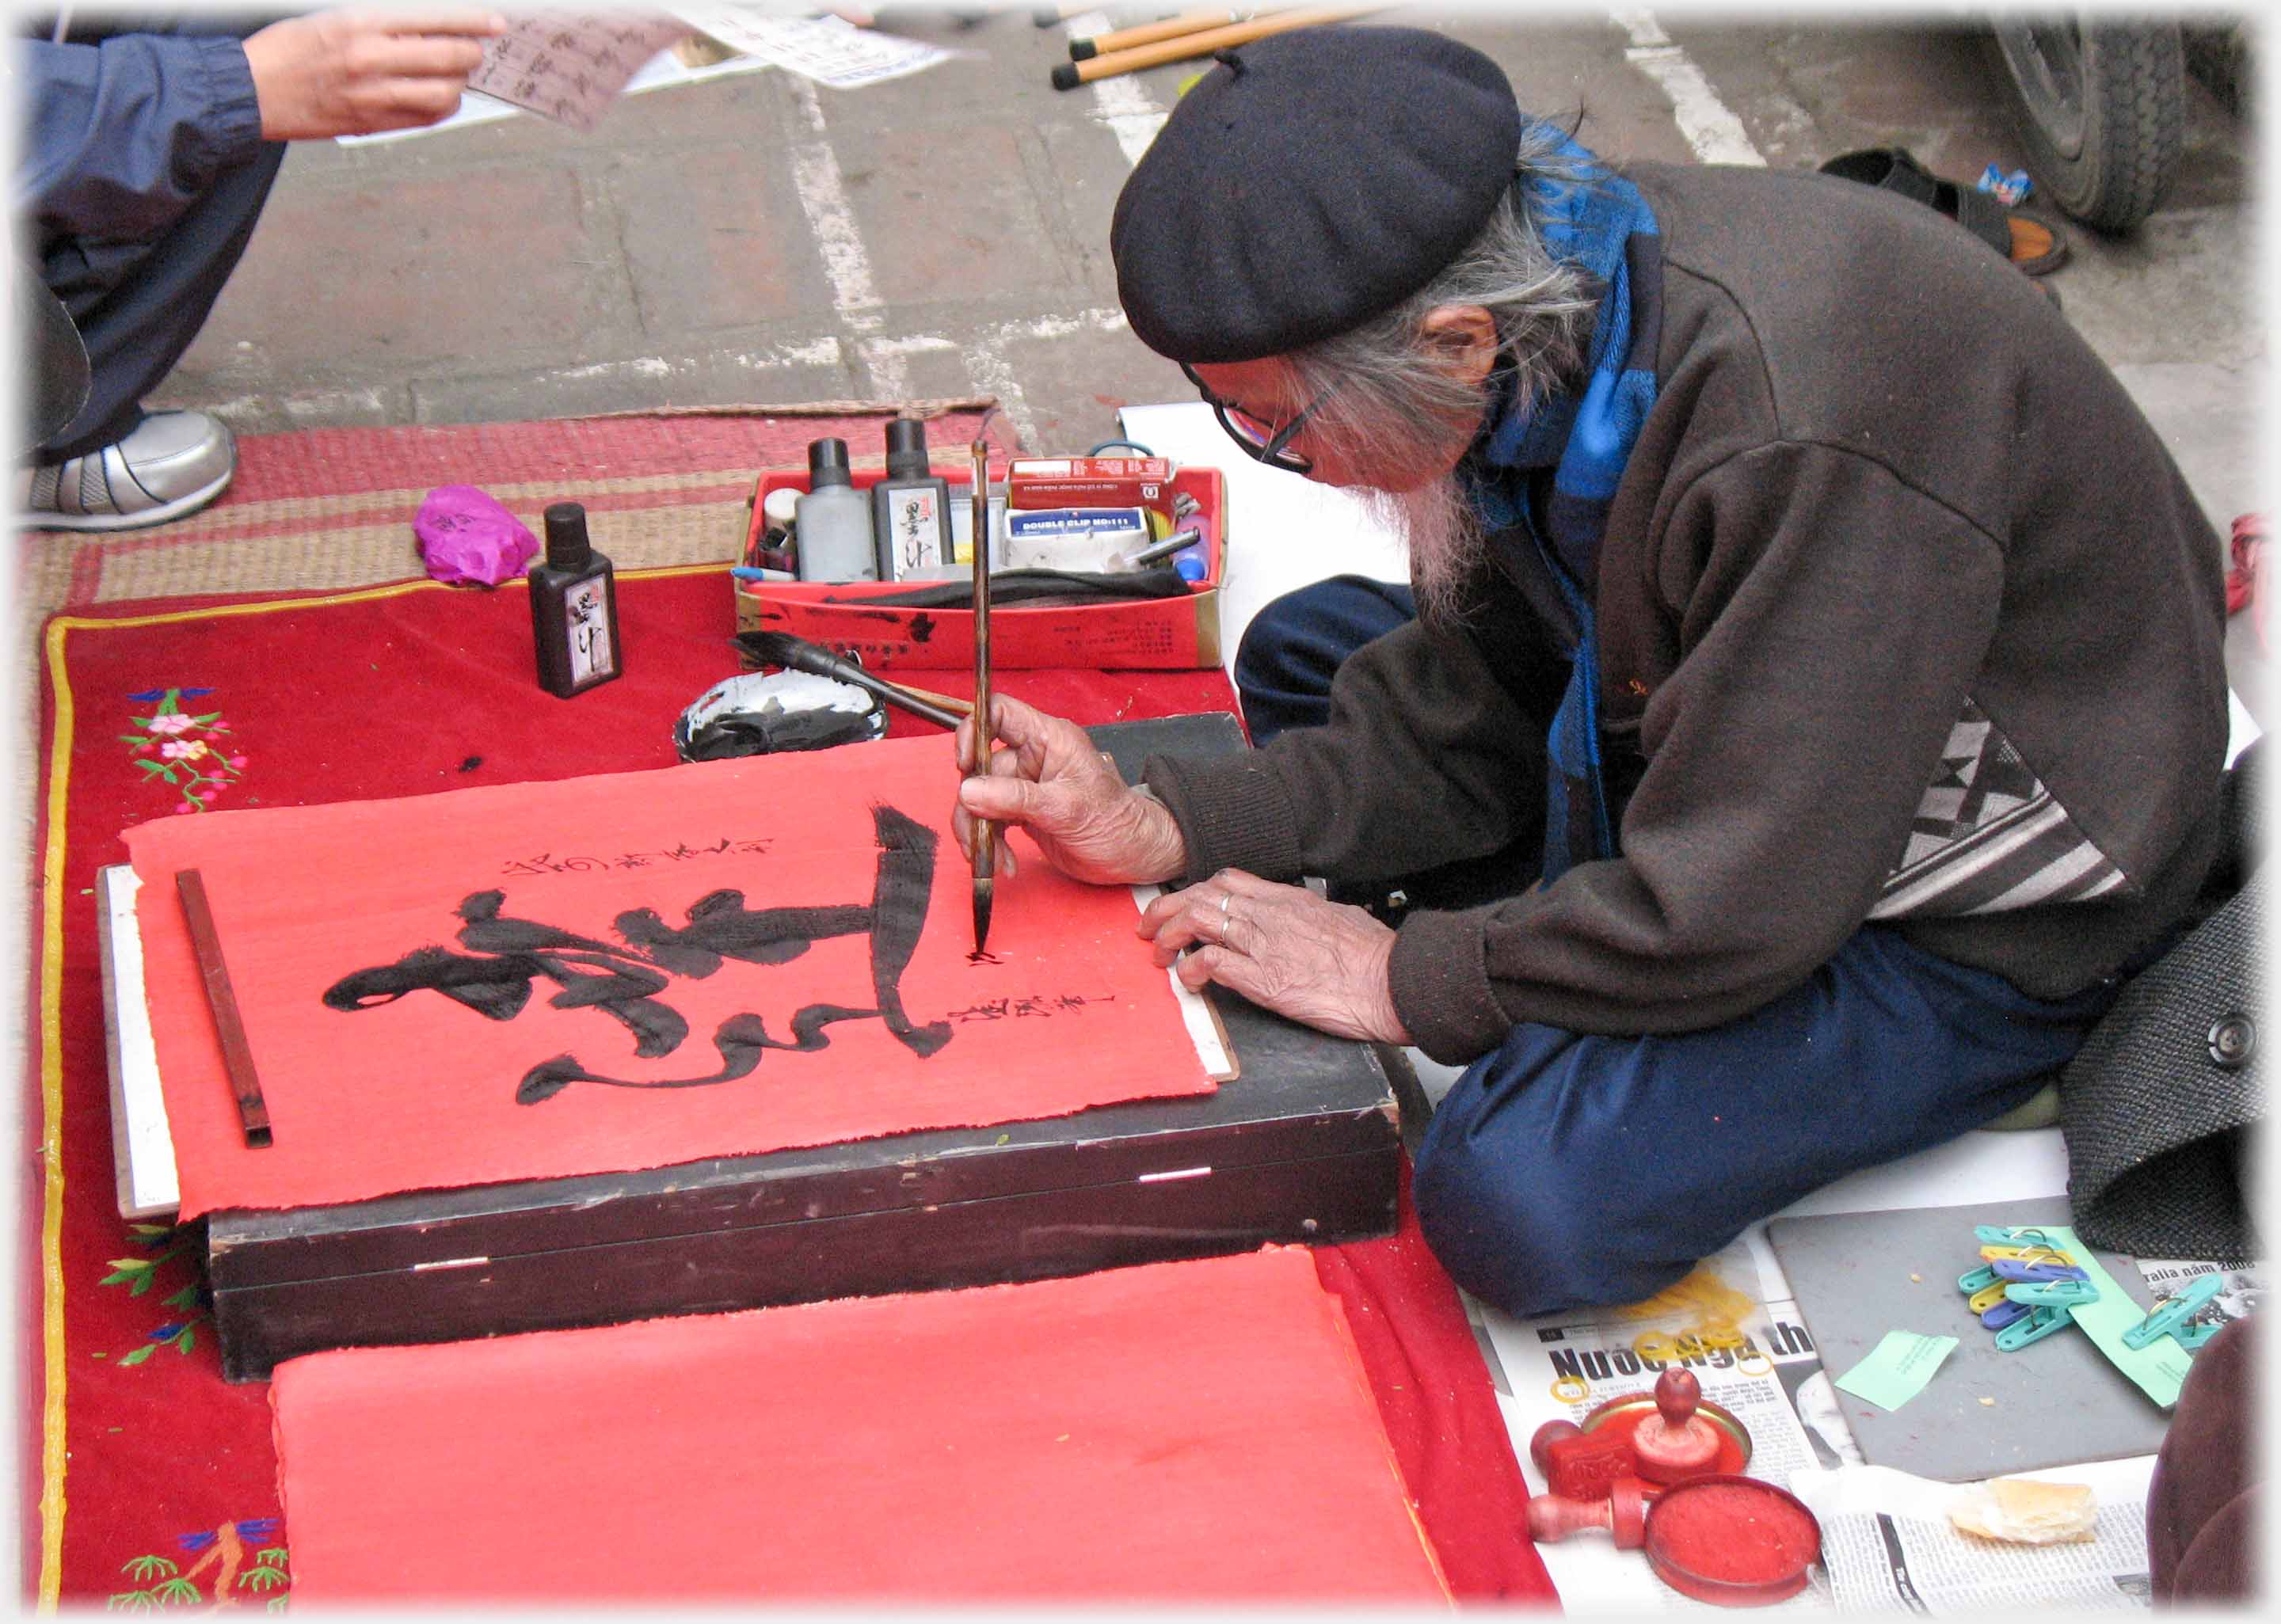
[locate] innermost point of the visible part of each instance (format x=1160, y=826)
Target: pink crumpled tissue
x=466, y=535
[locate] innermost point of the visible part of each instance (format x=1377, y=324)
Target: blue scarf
x=1599, y=222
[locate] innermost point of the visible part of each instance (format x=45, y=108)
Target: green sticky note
x=2159, y=1367
x=1898, y=1368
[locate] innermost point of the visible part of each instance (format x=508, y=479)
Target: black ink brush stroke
x=510, y=953
x=721, y=926
x=900, y=895
x=741, y=1039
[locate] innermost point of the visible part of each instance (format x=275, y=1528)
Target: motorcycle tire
x=2099, y=105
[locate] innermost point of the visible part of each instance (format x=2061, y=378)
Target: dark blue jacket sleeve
x=119, y=138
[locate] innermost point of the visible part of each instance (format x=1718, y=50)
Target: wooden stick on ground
x=230, y=1027
x=1172, y=27
x=1070, y=75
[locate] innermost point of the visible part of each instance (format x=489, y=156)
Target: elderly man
x=1794, y=587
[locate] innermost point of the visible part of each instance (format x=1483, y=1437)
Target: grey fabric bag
x=2163, y=1103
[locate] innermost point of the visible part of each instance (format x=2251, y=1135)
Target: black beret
x=1309, y=183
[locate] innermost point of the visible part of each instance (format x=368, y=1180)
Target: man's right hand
x=1055, y=784
x=356, y=73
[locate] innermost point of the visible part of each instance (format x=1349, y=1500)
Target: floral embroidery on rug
x=166, y=1584
x=195, y=754
x=138, y=1274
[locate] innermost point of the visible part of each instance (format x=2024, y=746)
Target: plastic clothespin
x=2014, y=1272
x=1981, y=1301
x=2190, y=1337
x=2170, y=1316
x=2004, y=1235
x=2040, y=1323
x=1977, y=1279
x=2004, y=1313
x=2054, y=1293
x=2025, y=1253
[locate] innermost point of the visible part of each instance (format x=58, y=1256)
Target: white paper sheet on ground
x=1284, y=530
x=831, y=51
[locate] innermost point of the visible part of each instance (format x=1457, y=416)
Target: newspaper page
x=2242, y=1292
x=1887, y=1543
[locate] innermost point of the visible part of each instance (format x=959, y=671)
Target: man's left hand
x=1322, y=964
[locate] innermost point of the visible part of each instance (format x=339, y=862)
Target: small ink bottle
x=832, y=523
x=910, y=507
x=574, y=607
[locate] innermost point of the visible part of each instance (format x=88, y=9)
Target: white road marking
x=1122, y=104
x=1714, y=132
x=846, y=266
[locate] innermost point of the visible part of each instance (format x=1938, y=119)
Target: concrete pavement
x=759, y=240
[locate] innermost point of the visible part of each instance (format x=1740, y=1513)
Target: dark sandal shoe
x=2031, y=244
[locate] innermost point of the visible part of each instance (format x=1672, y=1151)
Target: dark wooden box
x=1304, y=1146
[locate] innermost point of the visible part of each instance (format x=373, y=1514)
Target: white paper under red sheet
x=422, y=1091
x=1176, y=1432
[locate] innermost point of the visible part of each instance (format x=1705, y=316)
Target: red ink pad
x=1734, y=1542
x=1623, y=1415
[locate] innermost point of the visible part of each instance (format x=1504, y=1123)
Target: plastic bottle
x=832, y=523
x=574, y=608
x=910, y=507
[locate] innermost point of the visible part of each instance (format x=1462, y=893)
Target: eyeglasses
x=1261, y=441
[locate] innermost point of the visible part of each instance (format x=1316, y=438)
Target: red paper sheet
x=524, y=890
x=1175, y=1432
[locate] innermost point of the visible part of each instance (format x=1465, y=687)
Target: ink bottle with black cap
x=910, y=507
x=574, y=607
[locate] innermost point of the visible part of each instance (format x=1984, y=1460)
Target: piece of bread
x=2022, y=1511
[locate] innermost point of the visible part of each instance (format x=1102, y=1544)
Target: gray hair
x=1392, y=393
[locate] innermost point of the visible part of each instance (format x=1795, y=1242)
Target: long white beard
x=1443, y=536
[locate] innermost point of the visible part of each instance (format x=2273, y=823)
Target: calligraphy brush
x=985, y=833
x=798, y=654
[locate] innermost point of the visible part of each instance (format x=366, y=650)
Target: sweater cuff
x=1439, y=976
x=1233, y=813
x=229, y=134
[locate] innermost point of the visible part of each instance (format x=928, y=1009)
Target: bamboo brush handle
x=1068, y=76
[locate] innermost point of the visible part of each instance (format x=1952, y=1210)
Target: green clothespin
x=2171, y=1316
x=2054, y=1293
x=2004, y=1235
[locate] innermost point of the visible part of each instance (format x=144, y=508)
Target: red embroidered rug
x=151, y=1482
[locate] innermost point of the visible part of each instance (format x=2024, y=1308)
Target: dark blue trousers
x=1564, y=1169
x=138, y=303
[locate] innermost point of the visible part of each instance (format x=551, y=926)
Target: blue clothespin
x=2015, y=1273
x=2050, y=1293
x=2171, y=1316
x=2040, y=1323
x=2005, y=1314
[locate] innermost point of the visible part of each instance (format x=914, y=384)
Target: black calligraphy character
x=495, y=980
x=590, y=974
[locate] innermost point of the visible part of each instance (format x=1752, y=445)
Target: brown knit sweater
x=1905, y=615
